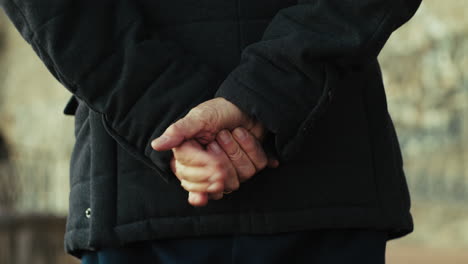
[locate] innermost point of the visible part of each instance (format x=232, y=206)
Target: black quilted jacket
x=307, y=69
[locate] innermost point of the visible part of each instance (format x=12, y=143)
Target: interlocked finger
x=198, y=198
x=195, y=186
x=190, y=173
x=241, y=161
x=231, y=179
x=252, y=147
x=215, y=196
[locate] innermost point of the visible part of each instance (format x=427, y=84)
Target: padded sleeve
x=286, y=79
x=102, y=52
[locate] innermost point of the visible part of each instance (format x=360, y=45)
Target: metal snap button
x=88, y=213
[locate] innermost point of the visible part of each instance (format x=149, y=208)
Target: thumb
x=198, y=199
x=176, y=134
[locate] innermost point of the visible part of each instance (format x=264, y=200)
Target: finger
x=258, y=131
x=199, y=174
x=210, y=172
x=178, y=132
x=195, y=186
x=173, y=166
x=215, y=196
x=191, y=153
x=231, y=179
x=244, y=167
x=198, y=199
x=251, y=146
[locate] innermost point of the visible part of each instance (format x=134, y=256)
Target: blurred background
x=425, y=71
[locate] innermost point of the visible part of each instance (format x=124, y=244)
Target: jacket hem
x=246, y=223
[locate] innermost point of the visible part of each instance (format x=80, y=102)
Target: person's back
x=307, y=71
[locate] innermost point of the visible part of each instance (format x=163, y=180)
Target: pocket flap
x=71, y=106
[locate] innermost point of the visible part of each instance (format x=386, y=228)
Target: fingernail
x=225, y=137
x=215, y=147
x=240, y=133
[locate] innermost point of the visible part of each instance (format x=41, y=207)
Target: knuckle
x=181, y=172
x=196, y=112
x=205, y=113
x=236, y=154
x=208, y=110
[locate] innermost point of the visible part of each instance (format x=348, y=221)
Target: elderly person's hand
x=198, y=168
x=204, y=122
x=225, y=163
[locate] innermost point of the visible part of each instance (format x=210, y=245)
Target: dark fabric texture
x=306, y=69
x=318, y=247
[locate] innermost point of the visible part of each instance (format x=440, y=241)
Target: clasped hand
x=216, y=147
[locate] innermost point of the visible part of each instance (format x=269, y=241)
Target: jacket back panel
x=351, y=165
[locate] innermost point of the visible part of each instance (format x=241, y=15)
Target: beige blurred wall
x=424, y=66
x=425, y=71
x=31, y=120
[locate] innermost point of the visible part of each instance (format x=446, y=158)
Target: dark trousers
x=318, y=247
